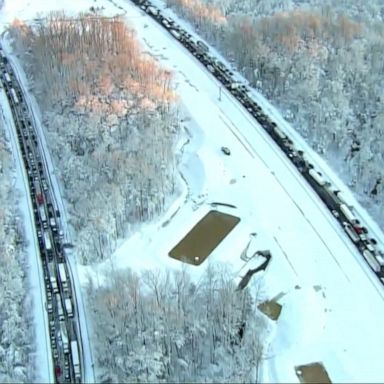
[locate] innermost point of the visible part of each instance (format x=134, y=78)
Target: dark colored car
x=226, y=150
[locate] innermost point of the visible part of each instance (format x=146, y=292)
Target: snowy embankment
x=42, y=368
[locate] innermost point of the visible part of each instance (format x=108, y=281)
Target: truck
x=47, y=241
x=59, y=306
x=153, y=11
x=348, y=214
x=371, y=260
x=14, y=96
x=7, y=77
x=43, y=216
x=351, y=232
x=39, y=195
x=63, y=275
x=68, y=307
x=317, y=177
x=63, y=336
x=75, y=361
x=52, y=277
x=175, y=34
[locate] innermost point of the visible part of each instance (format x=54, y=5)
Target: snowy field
x=332, y=302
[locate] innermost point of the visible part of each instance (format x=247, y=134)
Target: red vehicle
x=40, y=198
x=39, y=195
x=360, y=230
x=58, y=372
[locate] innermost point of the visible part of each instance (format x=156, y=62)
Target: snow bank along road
x=64, y=330
x=310, y=247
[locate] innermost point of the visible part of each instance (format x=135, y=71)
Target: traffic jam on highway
x=60, y=299
x=332, y=198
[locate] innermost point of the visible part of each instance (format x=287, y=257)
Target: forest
x=320, y=63
x=111, y=122
x=16, y=331
x=162, y=326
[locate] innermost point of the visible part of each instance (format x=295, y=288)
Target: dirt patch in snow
x=312, y=373
x=204, y=237
x=270, y=308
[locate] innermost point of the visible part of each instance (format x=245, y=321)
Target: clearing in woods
x=270, y=308
x=204, y=237
x=312, y=373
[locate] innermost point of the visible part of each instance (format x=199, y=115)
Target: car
x=226, y=150
x=351, y=232
x=49, y=307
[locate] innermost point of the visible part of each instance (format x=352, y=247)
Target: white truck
x=371, y=260
x=43, y=216
x=52, y=277
x=47, y=241
x=351, y=232
x=68, y=307
x=75, y=361
x=153, y=11
x=64, y=336
x=7, y=77
x=63, y=276
x=348, y=213
x=59, y=307
x=317, y=177
x=175, y=34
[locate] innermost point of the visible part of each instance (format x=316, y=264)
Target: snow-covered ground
x=333, y=314
x=332, y=302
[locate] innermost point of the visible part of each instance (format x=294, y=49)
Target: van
x=348, y=214
x=351, y=232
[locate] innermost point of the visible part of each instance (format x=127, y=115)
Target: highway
x=60, y=302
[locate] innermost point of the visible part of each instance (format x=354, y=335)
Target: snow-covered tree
x=110, y=116
x=163, y=327
x=16, y=336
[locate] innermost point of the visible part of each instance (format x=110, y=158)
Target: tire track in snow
x=292, y=171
